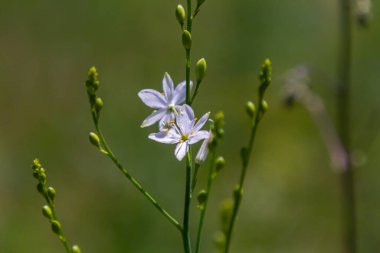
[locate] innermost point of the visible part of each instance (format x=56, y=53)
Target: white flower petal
x=203, y=152
x=180, y=93
x=181, y=150
x=154, y=117
x=185, y=119
x=168, y=87
x=163, y=138
x=200, y=123
x=152, y=98
x=200, y=135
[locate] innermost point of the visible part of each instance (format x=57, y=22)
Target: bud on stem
x=186, y=39
x=200, y=70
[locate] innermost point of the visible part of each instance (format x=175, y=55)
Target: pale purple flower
x=203, y=150
x=165, y=104
x=184, y=132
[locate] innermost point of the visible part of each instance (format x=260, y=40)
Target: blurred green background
x=292, y=197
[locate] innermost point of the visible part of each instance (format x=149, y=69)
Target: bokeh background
x=292, y=197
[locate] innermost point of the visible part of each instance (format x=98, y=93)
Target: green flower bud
x=36, y=173
x=40, y=188
x=36, y=164
x=56, y=227
x=238, y=193
x=219, y=120
x=98, y=104
x=200, y=69
x=186, y=39
x=250, y=108
x=94, y=139
x=92, y=83
x=42, y=176
x=220, y=240
x=265, y=76
x=202, y=196
x=219, y=163
x=75, y=249
x=225, y=214
x=51, y=192
x=180, y=14
x=47, y=212
x=264, y=105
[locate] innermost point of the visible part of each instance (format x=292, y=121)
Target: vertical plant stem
x=186, y=214
x=239, y=189
x=343, y=106
x=204, y=207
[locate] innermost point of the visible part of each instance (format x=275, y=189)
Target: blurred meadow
x=292, y=200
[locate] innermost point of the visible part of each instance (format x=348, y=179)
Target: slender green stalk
x=195, y=93
x=108, y=152
x=204, y=205
x=343, y=105
x=239, y=195
x=186, y=214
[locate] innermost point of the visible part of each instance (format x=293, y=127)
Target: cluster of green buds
x=265, y=78
x=217, y=130
x=48, y=210
x=92, y=85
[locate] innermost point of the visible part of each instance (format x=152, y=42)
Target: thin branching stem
x=238, y=191
x=108, y=152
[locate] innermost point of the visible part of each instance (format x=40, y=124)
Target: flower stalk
x=106, y=150
x=265, y=80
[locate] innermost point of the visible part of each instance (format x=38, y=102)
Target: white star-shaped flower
x=166, y=104
x=184, y=132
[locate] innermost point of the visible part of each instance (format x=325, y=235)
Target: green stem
x=62, y=237
x=134, y=182
x=188, y=51
x=195, y=93
x=238, y=197
x=186, y=214
x=204, y=207
x=343, y=105
x=195, y=175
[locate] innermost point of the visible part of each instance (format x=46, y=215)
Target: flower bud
x=47, y=212
x=264, y=105
x=92, y=82
x=180, y=14
x=75, y=249
x=36, y=164
x=36, y=173
x=200, y=69
x=219, y=163
x=202, y=196
x=219, y=120
x=40, y=188
x=220, y=241
x=250, y=109
x=265, y=76
x=238, y=193
x=94, y=139
x=56, y=227
x=186, y=39
x=225, y=214
x=51, y=192
x=98, y=104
